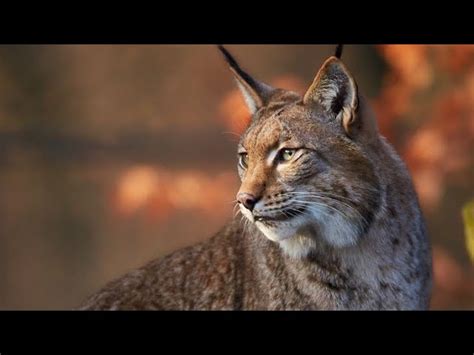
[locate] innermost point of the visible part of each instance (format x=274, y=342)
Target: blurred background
x=105, y=152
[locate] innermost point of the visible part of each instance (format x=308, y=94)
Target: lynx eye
x=243, y=160
x=286, y=155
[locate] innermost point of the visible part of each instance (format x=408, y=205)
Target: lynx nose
x=248, y=200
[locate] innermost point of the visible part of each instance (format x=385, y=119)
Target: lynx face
x=305, y=175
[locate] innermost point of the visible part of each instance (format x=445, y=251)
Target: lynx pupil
x=287, y=154
x=243, y=160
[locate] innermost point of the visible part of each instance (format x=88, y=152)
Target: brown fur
x=336, y=227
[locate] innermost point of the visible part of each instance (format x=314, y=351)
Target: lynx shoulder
x=332, y=220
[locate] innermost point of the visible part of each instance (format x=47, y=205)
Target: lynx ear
x=255, y=93
x=336, y=91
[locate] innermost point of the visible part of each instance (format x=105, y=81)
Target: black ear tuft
x=338, y=53
x=227, y=55
x=234, y=65
x=255, y=92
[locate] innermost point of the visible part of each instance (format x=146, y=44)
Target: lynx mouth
x=281, y=216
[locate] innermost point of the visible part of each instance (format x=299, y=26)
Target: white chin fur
x=292, y=243
x=333, y=228
x=286, y=235
x=276, y=234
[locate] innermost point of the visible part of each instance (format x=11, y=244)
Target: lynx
x=329, y=216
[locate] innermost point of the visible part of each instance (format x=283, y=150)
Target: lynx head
x=306, y=174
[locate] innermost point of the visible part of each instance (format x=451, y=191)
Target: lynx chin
x=329, y=216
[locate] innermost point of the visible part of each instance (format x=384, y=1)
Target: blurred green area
x=468, y=215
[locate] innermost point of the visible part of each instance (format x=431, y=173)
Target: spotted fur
x=337, y=226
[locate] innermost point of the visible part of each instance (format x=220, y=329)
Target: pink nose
x=248, y=200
